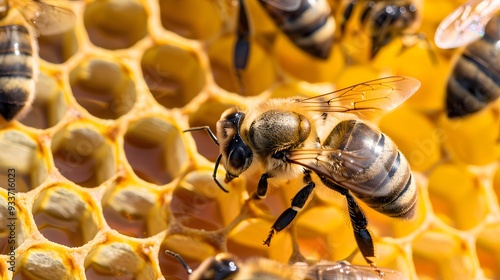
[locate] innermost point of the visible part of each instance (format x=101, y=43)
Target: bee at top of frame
x=307, y=23
x=380, y=21
x=475, y=80
x=326, y=136
x=19, y=70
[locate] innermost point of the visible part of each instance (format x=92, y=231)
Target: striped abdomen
x=311, y=26
x=16, y=70
x=370, y=165
x=475, y=81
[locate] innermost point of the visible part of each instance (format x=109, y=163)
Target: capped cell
x=83, y=155
x=66, y=216
x=23, y=164
x=46, y=261
x=130, y=208
x=118, y=260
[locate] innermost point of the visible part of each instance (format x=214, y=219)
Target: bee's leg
x=289, y=214
x=359, y=224
x=361, y=234
x=261, y=187
x=241, y=52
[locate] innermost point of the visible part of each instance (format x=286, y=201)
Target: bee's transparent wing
x=343, y=270
x=364, y=99
x=46, y=18
x=285, y=5
x=335, y=164
x=465, y=24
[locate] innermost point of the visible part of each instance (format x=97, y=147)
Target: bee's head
x=236, y=156
x=221, y=266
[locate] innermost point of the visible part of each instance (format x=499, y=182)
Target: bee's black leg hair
x=289, y=214
x=359, y=223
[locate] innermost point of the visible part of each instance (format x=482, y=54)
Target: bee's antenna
x=179, y=258
x=215, y=174
x=207, y=129
x=217, y=162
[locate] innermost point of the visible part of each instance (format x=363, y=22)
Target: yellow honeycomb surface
x=98, y=179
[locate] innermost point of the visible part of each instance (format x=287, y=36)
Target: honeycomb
x=98, y=179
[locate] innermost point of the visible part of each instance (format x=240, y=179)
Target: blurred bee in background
x=380, y=20
x=475, y=80
x=309, y=24
x=227, y=266
x=19, y=52
x=322, y=135
x=465, y=24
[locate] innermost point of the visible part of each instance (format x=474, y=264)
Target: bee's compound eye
x=237, y=158
x=279, y=155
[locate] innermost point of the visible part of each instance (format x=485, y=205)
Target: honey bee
x=326, y=136
x=19, y=53
x=465, y=24
x=227, y=266
x=475, y=80
x=307, y=23
x=382, y=20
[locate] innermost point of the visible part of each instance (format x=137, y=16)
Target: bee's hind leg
x=362, y=235
x=359, y=224
x=289, y=214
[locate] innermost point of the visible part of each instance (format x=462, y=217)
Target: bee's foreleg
x=359, y=223
x=261, y=187
x=289, y=214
